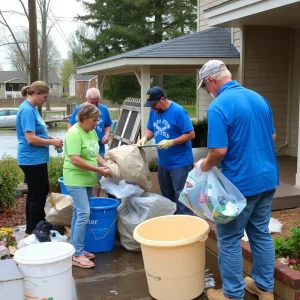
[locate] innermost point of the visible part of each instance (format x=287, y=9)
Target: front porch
x=287, y=194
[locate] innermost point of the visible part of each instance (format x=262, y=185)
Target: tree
x=18, y=43
x=67, y=69
x=78, y=49
x=133, y=24
x=17, y=61
x=15, y=41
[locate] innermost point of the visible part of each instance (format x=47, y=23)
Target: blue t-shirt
x=28, y=119
x=169, y=125
x=103, y=122
x=242, y=121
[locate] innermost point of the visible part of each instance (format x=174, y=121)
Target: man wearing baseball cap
x=241, y=138
x=172, y=129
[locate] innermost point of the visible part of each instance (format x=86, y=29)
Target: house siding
x=203, y=5
x=295, y=84
x=204, y=99
x=266, y=71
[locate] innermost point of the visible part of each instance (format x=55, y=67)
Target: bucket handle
x=106, y=232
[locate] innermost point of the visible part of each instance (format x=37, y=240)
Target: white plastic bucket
x=173, y=249
x=47, y=270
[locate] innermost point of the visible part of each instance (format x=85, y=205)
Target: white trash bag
x=135, y=210
x=122, y=189
x=212, y=196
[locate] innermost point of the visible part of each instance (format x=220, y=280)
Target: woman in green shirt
x=80, y=168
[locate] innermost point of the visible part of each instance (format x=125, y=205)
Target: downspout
x=289, y=95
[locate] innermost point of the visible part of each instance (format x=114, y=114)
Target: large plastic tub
x=47, y=270
x=173, y=249
x=101, y=229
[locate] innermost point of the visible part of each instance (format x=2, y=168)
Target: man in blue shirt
x=102, y=127
x=172, y=129
x=241, y=138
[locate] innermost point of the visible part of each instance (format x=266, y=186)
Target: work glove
x=142, y=141
x=165, y=144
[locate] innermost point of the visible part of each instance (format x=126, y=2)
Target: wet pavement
x=120, y=275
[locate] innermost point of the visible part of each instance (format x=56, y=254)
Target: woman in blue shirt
x=33, y=151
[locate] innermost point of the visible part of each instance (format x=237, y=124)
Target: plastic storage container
x=173, y=249
x=47, y=270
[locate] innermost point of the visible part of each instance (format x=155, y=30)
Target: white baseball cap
x=210, y=68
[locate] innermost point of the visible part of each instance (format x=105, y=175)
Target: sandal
x=89, y=255
x=85, y=264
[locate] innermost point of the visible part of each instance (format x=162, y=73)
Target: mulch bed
x=14, y=216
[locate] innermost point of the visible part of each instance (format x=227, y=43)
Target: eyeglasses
x=154, y=105
x=204, y=83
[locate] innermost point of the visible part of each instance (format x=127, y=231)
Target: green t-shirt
x=85, y=144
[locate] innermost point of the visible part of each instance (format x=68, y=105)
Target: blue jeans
x=81, y=214
x=255, y=220
x=171, y=182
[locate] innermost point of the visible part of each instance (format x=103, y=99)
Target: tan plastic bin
x=173, y=249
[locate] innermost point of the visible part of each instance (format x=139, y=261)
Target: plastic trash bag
x=122, y=189
x=212, y=196
x=274, y=226
x=135, y=210
x=55, y=236
x=29, y=240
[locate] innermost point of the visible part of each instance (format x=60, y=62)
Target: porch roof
x=182, y=55
x=236, y=13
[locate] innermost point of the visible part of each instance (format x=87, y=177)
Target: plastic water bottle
x=59, y=149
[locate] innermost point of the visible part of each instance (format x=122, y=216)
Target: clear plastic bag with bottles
x=212, y=196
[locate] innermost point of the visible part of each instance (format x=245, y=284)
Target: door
x=12, y=118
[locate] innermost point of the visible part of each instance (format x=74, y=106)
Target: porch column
x=100, y=81
x=298, y=155
x=145, y=86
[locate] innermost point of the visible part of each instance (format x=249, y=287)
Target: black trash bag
x=42, y=231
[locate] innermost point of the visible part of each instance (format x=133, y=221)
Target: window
x=3, y=113
x=12, y=112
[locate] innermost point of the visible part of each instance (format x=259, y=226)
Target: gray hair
x=87, y=110
x=221, y=74
x=93, y=92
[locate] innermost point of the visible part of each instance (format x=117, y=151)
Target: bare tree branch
x=24, y=8
x=14, y=38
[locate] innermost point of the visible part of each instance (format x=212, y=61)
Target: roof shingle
x=212, y=43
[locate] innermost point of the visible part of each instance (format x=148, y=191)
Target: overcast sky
x=64, y=12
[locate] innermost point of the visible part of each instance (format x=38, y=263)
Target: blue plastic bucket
x=101, y=229
x=62, y=186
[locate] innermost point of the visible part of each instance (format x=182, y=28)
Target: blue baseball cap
x=153, y=95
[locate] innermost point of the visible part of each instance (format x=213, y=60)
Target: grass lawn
x=191, y=110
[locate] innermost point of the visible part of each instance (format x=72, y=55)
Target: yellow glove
x=142, y=141
x=165, y=144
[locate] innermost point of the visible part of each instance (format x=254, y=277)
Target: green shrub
x=55, y=171
x=10, y=176
x=289, y=245
x=200, y=128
